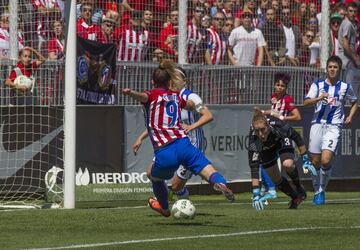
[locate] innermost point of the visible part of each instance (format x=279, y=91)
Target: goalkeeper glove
x=271, y=194
x=308, y=166
x=256, y=202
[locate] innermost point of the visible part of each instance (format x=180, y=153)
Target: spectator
x=285, y=4
x=96, y=13
x=245, y=42
x=113, y=15
x=341, y=9
x=347, y=52
x=205, y=23
x=160, y=10
x=5, y=37
x=147, y=19
x=228, y=27
x=46, y=12
x=84, y=26
x=25, y=66
x=195, y=39
x=313, y=24
x=106, y=32
x=218, y=7
x=216, y=41
x=313, y=10
x=275, y=41
x=261, y=12
x=314, y=47
x=301, y=16
x=276, y=6
x=134, y=40
x=292, y=40
x=57, y=42
x=228, y=9
x=61, y=4
x=168, y=36
x=335, y=21
x=303, y=53
x=249, y=6
x=158, y=55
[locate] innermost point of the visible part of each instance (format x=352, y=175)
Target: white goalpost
x=70, y=108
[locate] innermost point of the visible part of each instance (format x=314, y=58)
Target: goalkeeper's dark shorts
x=269, y=157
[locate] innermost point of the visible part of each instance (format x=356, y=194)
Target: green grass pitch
x=217, y=225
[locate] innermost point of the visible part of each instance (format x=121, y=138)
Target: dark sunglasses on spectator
x=246, y=16
x=335, y=22
x=219, y=19
x=286, y=13
x=109, y=25
x=309, y=36
x=229, y=24
x=312, y=22
x=199, y=11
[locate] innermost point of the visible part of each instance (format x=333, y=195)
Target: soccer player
x=269, y=139
x=282, y=107
x=171, y=144
x=189, y=119
x=328, y=97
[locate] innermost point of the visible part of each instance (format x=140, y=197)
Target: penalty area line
x=280, y=230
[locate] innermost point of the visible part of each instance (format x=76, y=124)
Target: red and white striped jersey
x=216, y=43
x=282, y=106
x=133, y=45
x=5, y=43
x=162, y=114
x=195, y=41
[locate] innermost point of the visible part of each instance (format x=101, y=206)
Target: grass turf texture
x=335, y=225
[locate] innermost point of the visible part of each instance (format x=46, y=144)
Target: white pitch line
x=194, y=237
x=333, y=201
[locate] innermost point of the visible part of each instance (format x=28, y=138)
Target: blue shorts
x=179, y=152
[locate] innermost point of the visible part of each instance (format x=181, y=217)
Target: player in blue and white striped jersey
x=328, y=96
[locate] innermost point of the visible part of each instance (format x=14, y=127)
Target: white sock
x=316, y=181
x=183, y=193
x=325, y=174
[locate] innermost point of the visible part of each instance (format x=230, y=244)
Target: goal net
x=31, y=112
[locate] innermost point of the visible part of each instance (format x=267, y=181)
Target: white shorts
x=324, y=136
x=183, y=173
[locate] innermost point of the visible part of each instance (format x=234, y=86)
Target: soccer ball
x=183, y=209
x=23, y=81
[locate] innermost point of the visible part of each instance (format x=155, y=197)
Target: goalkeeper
x=21, y=79
x=269, y=139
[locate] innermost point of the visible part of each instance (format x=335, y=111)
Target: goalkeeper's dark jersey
x=279, y=141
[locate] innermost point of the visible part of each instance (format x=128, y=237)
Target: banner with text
x=96, y=71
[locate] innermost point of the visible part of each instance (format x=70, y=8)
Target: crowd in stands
x=239, y=32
